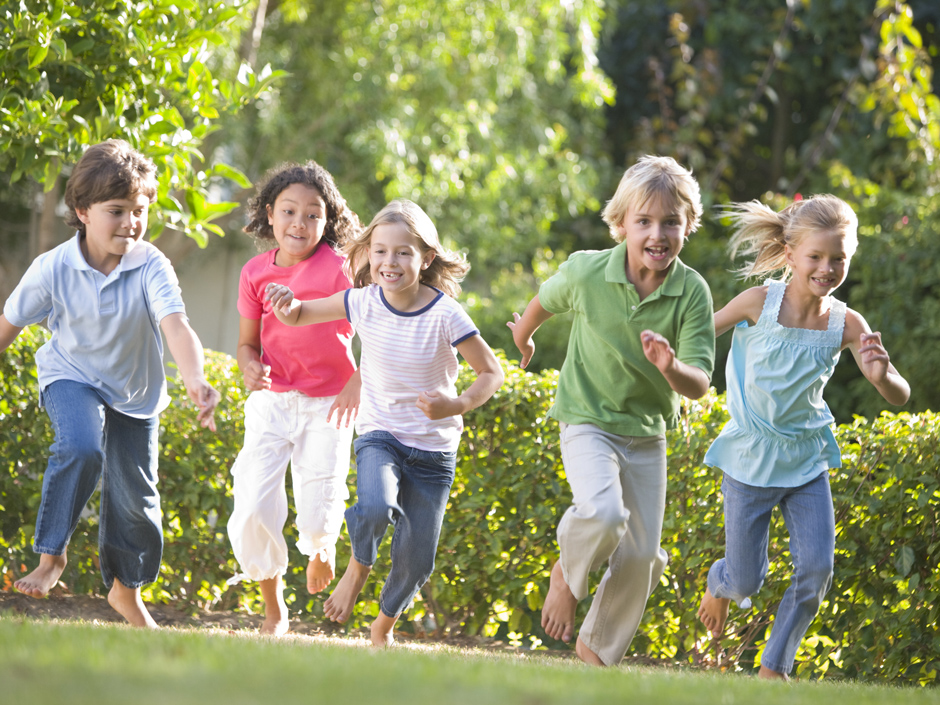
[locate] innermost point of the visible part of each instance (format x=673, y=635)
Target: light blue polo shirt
x=606, y=379
x=105, y=329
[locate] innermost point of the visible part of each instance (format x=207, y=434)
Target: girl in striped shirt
x=409, y=421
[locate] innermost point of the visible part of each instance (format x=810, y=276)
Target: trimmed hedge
x=498, y=541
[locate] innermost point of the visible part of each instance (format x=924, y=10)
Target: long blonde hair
x=762, y=234
x=446, y=270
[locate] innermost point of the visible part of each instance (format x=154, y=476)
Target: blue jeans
x=807, y=511
x=92, y=442
x=407, y=488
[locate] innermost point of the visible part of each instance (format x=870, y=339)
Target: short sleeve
x=353, y=301
x=696, y=340
x=163, y=289
x=31, y=300
x=249, y=304
x=460, y=326
x=555, y=293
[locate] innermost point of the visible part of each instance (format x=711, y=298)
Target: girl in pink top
x=298, y=378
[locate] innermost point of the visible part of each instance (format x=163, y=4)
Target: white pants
x=619, y=488
x=282, y=427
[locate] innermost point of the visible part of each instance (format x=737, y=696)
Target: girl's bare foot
x=382, y=631
x=586, y=655
x=43, y=579
x=340, y=604
x=276, y=618
x=128, y=603
x=319, y=574
x=768, y=675
x=559, y=608
x=713, y=612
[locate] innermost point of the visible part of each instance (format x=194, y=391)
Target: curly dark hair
x=341, y=222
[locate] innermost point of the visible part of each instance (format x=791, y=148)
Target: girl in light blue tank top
x=778, y=447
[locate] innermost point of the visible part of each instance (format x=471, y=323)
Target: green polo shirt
x=606, y=379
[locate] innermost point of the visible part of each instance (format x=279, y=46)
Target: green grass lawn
x=75, y=663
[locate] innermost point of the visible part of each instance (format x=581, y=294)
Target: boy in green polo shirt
x=643, y=333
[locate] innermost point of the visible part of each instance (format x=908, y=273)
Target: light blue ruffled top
x=779, y=434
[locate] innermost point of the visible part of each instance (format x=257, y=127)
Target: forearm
x=687, y=380
x=246, y=354
x=484, y=386
x=8, y=333
x=530, y=321
x=894, y=388
x=185, y=348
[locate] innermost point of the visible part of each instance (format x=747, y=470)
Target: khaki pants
x=619, y=488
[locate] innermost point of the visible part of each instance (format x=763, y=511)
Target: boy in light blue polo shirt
x=106, y=295
x=642, y=334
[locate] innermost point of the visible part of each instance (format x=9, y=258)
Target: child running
x=107, y=294
x=409, y=423
x=642, y=335
x=778, y=447
x=297, y=380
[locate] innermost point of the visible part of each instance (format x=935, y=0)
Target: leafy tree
x=77, y=73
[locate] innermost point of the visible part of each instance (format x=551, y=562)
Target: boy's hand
x=280, y=296
x=206, y=398
x=257, y=377
x=437, y=405
x=526, y=347
x=658, y=350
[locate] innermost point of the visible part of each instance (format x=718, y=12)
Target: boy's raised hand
x=657, y=350
x=527, y=346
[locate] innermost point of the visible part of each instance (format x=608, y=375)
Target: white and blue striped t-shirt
x=404, y=354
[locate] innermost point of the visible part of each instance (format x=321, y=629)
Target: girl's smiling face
x=819, y=262
x=298, y=219
x=396, y=258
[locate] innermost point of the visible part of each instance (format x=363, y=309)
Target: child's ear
x=82, y=214
x=270, y=214
x=428, y=258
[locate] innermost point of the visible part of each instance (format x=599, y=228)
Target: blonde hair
x=763, y=234
x=446, y=270
x=659, y=177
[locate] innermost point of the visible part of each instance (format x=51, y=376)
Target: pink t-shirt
x=315, y=359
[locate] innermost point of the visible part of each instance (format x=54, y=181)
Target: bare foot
x=276, y=618
x=586, y=655
x=560, y=605
x=713, y=612
x=319, y=574
x=382, y=630
x=127, y=603
x=339, y=605
x=766, y=674
x=43, y=579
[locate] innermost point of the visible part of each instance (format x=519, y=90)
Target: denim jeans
x=92, y=442
x=807, y=511
x=407, y=488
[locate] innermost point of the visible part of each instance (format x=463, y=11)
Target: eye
x=314, y=216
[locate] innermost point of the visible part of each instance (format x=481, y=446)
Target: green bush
x=498, y=542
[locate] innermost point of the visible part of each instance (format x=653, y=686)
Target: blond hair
x=654, y=177
x=763, y=234
x=446, y=270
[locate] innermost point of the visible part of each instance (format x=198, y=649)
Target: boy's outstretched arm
x=187, y=353
x=8, y=333
x=873, y=360
x=523, y=328
x=687, y=380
